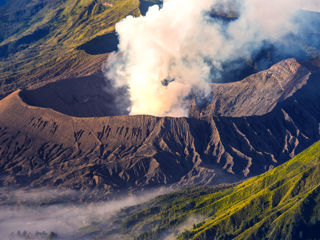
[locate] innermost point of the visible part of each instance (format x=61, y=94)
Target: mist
x=186, y=225
x=58, y=211
x=311, y=5
x=183, y=46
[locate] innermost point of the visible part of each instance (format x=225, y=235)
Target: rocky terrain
x=62, y=125
x=40, y=146
x=74, y=164
x=257, y=94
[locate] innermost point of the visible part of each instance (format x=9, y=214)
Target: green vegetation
x=283, y=203
x=39, y=39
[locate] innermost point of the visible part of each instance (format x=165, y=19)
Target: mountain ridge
x=45, y=148
x=250, y=97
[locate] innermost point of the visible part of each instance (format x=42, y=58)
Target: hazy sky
x=312, y=5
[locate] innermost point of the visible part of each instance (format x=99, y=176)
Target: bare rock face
x=257, y=94
x=248, y=128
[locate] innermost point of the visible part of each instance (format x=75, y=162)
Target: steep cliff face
x=42, y=147
x=82, y=96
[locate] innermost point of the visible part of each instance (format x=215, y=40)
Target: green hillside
x=42, y=39
x=283, y=203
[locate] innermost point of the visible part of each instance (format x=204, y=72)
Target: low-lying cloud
x=182, y=47
x=187, y=225
x=56, y=210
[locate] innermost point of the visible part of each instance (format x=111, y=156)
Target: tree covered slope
x=283, y=203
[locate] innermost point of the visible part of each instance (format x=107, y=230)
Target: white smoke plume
x=177, y=48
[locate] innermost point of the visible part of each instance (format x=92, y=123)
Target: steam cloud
x=179, y=47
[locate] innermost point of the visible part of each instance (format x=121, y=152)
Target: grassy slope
x=38, y=39
x=283, y=203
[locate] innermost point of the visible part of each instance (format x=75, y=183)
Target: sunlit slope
x=38, y=39
x=283, y=203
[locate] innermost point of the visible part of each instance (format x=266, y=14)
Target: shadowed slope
x=106, y=43
x=89, y=96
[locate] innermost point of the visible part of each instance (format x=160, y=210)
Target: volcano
x=74, y=160
x=44, y=146
x=62, y=124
